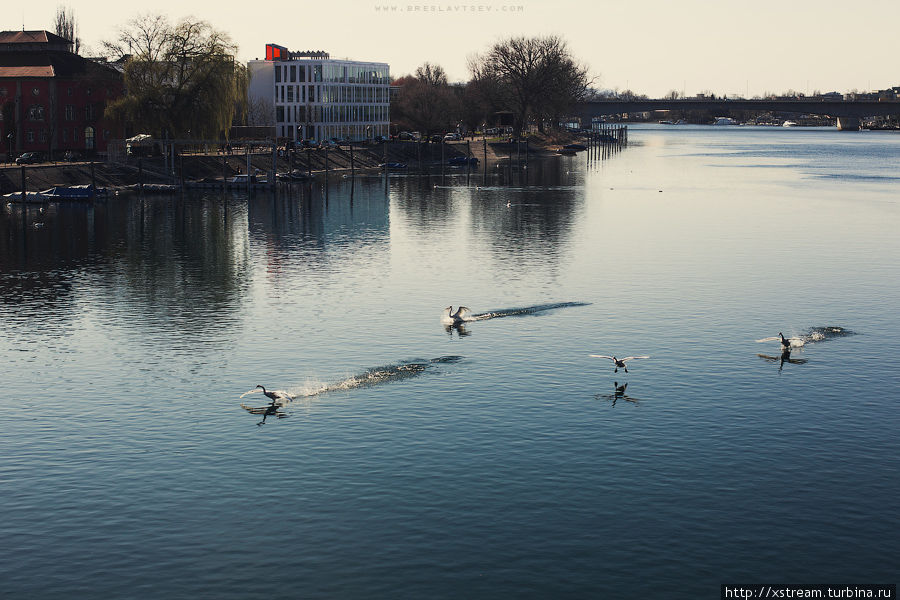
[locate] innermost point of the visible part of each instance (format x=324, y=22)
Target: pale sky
x=650, y=47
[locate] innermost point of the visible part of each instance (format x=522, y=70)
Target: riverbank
x=199, y=167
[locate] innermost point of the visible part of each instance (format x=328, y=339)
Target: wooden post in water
x=224, y=169
x=308, y=164
x=442, y=161
x=24, y=193
x=468, y=161
x=93, y=179
x=326, y=165
x=352, y=166
x=484, y=168
x=518, y=155
x=247, y=152
x=272, y=180
x=140, y=175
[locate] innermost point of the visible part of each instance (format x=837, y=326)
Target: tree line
x=182, y=81
x=524, y=81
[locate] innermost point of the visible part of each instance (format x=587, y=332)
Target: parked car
x=405, y=135
x=331, y=144
x=29, y=158
x=451, y=137
x=309, y=144
x=436, y=138
x=380, y=138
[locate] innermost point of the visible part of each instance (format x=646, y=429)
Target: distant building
x=51, y=99
x=313, y=96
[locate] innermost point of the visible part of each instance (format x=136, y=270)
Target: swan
x=619, y=362
x=455, y=317
x=276, y=395
x=794, y=342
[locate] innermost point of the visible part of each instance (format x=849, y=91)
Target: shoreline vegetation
x=198, y=166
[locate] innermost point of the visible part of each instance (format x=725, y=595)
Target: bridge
x=847, y=112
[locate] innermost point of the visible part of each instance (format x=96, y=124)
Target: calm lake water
x=492, y=461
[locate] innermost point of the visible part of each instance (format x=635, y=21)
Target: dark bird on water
x=619, y=362
x=275, y=396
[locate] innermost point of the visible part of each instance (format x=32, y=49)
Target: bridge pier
x=848, y=123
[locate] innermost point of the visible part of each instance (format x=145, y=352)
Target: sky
x=652, y=47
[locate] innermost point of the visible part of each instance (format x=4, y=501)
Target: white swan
x=619, y=362
x=455, y=318
x=793, y=342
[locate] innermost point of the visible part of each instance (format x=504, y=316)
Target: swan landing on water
x=794, y=342
x=461, y=315
x=464, y=315
x=619, y=362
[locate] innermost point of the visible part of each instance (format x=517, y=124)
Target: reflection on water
x=421, y=478
x=784, y=357
x=617, y=394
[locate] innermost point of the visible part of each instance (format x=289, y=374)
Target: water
x=491, y=460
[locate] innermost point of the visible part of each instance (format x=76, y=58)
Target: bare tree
x=532, y=77
x=66, y=27
x=182, y=80
x=260, y=111
x=425, y=101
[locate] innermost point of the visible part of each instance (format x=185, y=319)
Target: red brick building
x=51, y=99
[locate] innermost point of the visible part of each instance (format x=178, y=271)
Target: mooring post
x=326, y=165
x=24, y=194
x=484, y=168
x=93, y=178
x=352, y=166
x=468, y=161
x=140, y=175
x=247, y=152
x=224, y=169
x=308, y=163
x=272, y=180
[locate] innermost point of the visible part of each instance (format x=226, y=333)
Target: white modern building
x=315, y=97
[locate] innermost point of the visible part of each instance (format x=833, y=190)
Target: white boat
x=789, y=124
x=30, y=197
x=725, y=121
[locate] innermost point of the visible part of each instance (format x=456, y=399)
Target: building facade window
x=65, y=135
x=89, y=112
x=88, y=138
x=36, y=112
x=29, y=135
x=70, y=112
x=43, y=135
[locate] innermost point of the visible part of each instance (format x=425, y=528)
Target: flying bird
x=619, y=362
